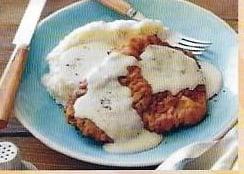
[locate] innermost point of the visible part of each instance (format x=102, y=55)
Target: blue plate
x=45, y=120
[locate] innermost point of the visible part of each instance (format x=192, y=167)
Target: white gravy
x=144, y=141
x=90, y=44
x=69, y=68
x=213, y=78
x=109, y=105
x=108, y=102
x=167, y=69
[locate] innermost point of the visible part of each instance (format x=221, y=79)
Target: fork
x=175, y=39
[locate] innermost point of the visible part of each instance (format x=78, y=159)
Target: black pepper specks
x=214, y=96
x=109, y=52
x=105, y=102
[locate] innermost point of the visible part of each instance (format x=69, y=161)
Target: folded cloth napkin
x=211, y=155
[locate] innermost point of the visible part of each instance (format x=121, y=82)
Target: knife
x=11, y=77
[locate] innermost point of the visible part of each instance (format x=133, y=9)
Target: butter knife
x=11, y=77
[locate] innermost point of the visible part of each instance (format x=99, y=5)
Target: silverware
x=11, y=77
x=175, y=39
x=194, y=154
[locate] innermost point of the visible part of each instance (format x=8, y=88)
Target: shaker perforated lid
x=10, y=158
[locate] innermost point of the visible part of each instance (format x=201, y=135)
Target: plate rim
x=95, y=160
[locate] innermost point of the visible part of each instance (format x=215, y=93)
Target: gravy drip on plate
x=145, y=140
x=213, y=78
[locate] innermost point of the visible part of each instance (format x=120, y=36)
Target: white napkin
x=211, y=155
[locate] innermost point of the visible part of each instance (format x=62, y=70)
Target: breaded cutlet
x=160, y=112
x=164, y=111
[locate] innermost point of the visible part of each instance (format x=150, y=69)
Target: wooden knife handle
x=120, y=6
x=9, y=84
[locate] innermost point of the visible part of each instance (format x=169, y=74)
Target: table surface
x=32, y=149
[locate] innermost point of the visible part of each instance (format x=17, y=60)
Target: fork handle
x=9, y=83
x=120, y=6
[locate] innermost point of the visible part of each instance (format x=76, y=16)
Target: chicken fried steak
x=160, y=112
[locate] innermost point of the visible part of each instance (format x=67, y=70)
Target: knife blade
x=28, y=23
x=11, y=77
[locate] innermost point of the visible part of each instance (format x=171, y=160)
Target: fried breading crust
x=141, y=91
x=160, y=112
x=136, y=45
x=86, y=126
x=167, y=112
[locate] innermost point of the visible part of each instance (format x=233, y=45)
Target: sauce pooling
x=213, y=78
x=144, y=141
